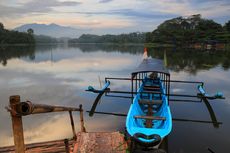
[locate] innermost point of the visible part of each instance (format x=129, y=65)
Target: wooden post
x=66, y=141
x=72, y=125
x=17, y=125
x=82, y=119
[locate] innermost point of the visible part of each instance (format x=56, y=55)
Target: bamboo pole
x=66, y=141
x=82, y=119
x=72, y=125
x=27, y=108
x=17, y=125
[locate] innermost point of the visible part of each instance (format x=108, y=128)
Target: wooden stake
x=82, y=119
x=66, y=141
x=72, y=125
x=17, y=125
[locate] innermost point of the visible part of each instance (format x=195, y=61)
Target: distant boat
x=149, y=118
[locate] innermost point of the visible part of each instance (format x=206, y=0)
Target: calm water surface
x=59, y=74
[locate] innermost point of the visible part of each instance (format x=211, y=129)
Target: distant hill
x=52, y=30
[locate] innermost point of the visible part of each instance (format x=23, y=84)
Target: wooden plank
x=151, y=92
x=151, y=85
x=150, y=102
x=44, y=147
x=100, y=142
x=149, y=123
x=151, y=88
x=150, y=117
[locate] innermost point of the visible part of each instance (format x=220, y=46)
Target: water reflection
x=58, y=74
x=10, y=52
x=192, y=61
x=177, y=59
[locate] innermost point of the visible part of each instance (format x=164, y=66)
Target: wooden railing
x=18, y=109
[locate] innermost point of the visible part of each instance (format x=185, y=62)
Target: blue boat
x=149, y=118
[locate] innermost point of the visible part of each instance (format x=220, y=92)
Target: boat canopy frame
x=148, y=67
x=151, y=65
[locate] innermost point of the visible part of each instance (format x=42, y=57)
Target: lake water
x=59, y=75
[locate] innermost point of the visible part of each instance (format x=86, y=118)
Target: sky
x=108, y=16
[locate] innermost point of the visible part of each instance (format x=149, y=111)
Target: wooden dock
x=87, y=142
x=81, y=142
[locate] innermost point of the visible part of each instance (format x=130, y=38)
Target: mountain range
x=52, y=30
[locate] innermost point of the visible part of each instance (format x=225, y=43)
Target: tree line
x=187, y=30
x=15, y=37
x=177, y=31
x=135, y=37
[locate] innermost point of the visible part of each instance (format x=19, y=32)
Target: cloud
x=130, y=13
x=105, y=1
x=141, y=13
x=33, y=7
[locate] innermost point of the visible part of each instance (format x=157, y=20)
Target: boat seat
x=151, y=88
x=151, y=92
x=150, y=117
x=146, y=94
x=150, y=102
x=152, y=85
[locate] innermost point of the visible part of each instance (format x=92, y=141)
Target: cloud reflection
x=56, y=126
x=62, y=79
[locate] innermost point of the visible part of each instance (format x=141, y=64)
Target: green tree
x=208, y=25
x=184, y=31
x=30, y=31
x=1, y=26
x=227, y=26
x=15, y=37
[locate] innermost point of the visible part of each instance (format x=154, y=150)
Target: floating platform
x=86, y=142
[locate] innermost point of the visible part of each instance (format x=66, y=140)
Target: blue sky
x=108, y=16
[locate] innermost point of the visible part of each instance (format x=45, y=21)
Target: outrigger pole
x=200, y=88
x=174, y=119
x=203, y=96
x=101, y=92
x=145, y=92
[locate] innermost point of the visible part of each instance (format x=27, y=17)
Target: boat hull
x=149, y=123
